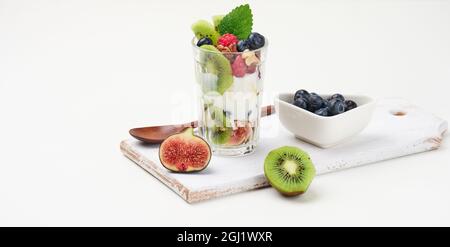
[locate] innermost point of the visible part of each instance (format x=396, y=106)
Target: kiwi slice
x=221, y=136
x=217, y=19
x=221, y=132
x=204, y=29
x=217, y=64
x=219, y=116
x=289, y=170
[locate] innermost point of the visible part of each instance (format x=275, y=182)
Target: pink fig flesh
x=185, y=152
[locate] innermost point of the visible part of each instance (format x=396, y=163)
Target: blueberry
x=256, y=41
x=336, y=107
x=337, y=96
x=302, y=93
x=301, y=103
x=204, y=41
x=315, y=102
x=350, y=104
x=322, y=112
x=325, y=103
x=242, y=45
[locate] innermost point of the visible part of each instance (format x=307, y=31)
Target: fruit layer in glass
x=230, y=86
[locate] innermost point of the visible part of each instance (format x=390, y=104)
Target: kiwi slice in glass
x=216, y=63
x=221, y=132
x=289, y=170
x=221, y=136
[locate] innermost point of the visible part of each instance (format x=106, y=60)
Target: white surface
x=387, y=136
x=76, y=75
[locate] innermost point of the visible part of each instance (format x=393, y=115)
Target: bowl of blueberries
x=324, y=120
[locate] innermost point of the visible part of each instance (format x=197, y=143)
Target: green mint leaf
x=238, y=22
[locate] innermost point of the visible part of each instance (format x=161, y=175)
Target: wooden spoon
x=157, y=134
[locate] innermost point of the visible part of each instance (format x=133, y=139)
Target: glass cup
x=230, y=87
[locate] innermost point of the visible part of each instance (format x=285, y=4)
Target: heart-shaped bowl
x=322, y=131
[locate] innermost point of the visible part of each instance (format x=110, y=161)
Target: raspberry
x=227, y=40
x=239, y=67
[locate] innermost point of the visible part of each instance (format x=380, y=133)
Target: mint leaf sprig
x=238, y=22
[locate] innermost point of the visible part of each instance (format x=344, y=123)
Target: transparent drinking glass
x=230, y=87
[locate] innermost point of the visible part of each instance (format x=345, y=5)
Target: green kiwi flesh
x=289, y=170
x=217, y=64
x=216, y=21
x=221, y=136
x=204, y=29
x=222, y=131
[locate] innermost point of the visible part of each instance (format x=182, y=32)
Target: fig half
x=185, y=152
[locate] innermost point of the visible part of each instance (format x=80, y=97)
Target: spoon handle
x=265, y=111
x=193, y=124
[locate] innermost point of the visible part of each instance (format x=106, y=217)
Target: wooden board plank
x=398, y=128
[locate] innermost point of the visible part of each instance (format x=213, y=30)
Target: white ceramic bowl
x=324, y=131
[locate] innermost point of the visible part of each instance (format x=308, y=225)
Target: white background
x=76, y=75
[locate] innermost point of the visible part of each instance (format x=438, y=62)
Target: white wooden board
x=397, y=129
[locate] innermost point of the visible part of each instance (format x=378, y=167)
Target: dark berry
x=303, y=94
x=204, y=41
x=337, y=96
x=325, y=103
x=301, y=103
x=242, y=45
x=256, y=41
x=350, y=104
x=315, y=102
x=322, y=112
x=336, y=107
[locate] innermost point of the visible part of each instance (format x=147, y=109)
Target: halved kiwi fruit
x=204, y=29
x=216, y=63
x=217, y=19
x=289, y=170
